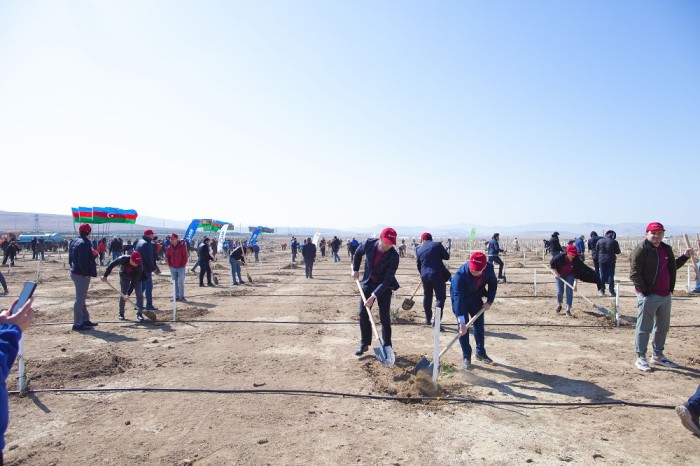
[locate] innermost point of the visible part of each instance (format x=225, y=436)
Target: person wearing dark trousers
x=433, y=274
x=607, y=249
x=494, y=249
x=592, y=241
x=378, y=281
x=308, y=252
x=335, y=248
x=130, y=277
x=689, y=412
x=473, y=281
x=147, y=249
x=3, y=283
x=205, y=256
x=294, y=246
x=236, y=256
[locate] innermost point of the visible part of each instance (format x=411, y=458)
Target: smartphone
x=27, y=292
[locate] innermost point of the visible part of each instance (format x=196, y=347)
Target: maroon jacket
x=176, y=255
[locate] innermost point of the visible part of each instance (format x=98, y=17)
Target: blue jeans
x=80, y=312
x=125, y=284
x=336, y=257
x=569, y=292
x=148, y=290
x=697, y=282
x=694, y=403
x=653, y=313
x=115, y=254
x=478, y=330
x=235, y=271
x=607, y=275
x=178, y=275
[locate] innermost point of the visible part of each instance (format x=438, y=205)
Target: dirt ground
x=265, y=374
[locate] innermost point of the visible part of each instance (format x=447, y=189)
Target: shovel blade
x=150, y=314
x=407, y=304
x=603, y=310
x=423, y=366
x=250, y=279
x=385, y=355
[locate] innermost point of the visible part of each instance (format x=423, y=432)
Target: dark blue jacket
x=494, y=248
x=10, y=335
x=592, y=241
x=385, y=271
x=464, y=293
x=308, y=251
x=148, y=253
x=429, y=257
x=607, y=249
x=81, y=259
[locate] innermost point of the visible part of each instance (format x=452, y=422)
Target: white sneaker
x=662, y=360
x=689, y=421
x=642, y=365
x=601, y=293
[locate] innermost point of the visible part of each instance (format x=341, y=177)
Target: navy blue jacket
x=385, y=271
x=148, y=253
x=592, y=241
x=464, y=293
x=80, y=257
x=607, y=249
x=494, y=248
x=10, y=335
x=429, y=257
x=308, y=251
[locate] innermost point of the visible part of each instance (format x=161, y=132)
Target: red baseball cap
x=426, y=236
x=654, y=226
x=389, y=234
x=571, y=249
x=477, y=262
x=85, y=229
x=136, y=257
x=149, y=232
x=174, y=236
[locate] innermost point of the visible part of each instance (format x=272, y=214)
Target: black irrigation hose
x=322, y=393
x=292, y=322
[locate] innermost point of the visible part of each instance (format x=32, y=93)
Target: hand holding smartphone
x=21, y=313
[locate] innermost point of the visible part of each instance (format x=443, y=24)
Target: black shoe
x=361, y=350
x=201, y=285
x=210, y=284
x=87, y=323
x=80, y=328
x=483, y=358
x=152, y=308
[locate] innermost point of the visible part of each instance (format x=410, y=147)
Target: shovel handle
x=371, y=320
x=574, y=290
x=416, y=290
x=456, y=337
x=120, y=293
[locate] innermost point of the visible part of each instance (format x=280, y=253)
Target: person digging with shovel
x=474, y=280
x=131, y=275
x=378, y=281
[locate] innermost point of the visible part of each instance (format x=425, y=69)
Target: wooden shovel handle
x=456, y=337
x=416, y=290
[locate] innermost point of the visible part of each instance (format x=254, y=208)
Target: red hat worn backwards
x=389, y=234
x=477, y=262
x=136, y=257
x=426, y=236
x=654, y=226
x=571, y=249
x=84, y=229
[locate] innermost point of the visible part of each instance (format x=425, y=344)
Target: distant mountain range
x=51, y=223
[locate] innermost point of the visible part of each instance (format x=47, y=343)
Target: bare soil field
x=265, y=374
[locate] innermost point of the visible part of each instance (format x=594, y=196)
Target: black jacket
x=644, y=266
x=607, y=249
x=385, y=270
x=555, y=245
x=125, y=269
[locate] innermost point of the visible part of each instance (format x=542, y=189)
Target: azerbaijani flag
x=262, y=229
x=113, y=215
x=76, y=214
x=84, y=214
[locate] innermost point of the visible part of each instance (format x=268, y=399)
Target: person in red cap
x=563, y=266
x=81, y=258
x=130, y=277
x=472, y=281
x=147, y=249
x=177, y=256
x=653, y=274
x=433, y=274
x=378, y=281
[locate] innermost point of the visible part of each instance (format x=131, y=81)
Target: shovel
x=598, y=308
x=247, y=274
x=385, y=354
x=408, y=302
x=427, y=366
x=150, y=314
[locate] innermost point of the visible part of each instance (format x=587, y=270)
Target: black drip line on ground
x=292, y=322
x=323, y=393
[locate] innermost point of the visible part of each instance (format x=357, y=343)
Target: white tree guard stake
x=535, y=282
x=436, y=346
x=689, y=279
x=617, y=304
x=21, y=371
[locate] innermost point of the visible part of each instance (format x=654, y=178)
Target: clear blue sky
x=350, y=114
